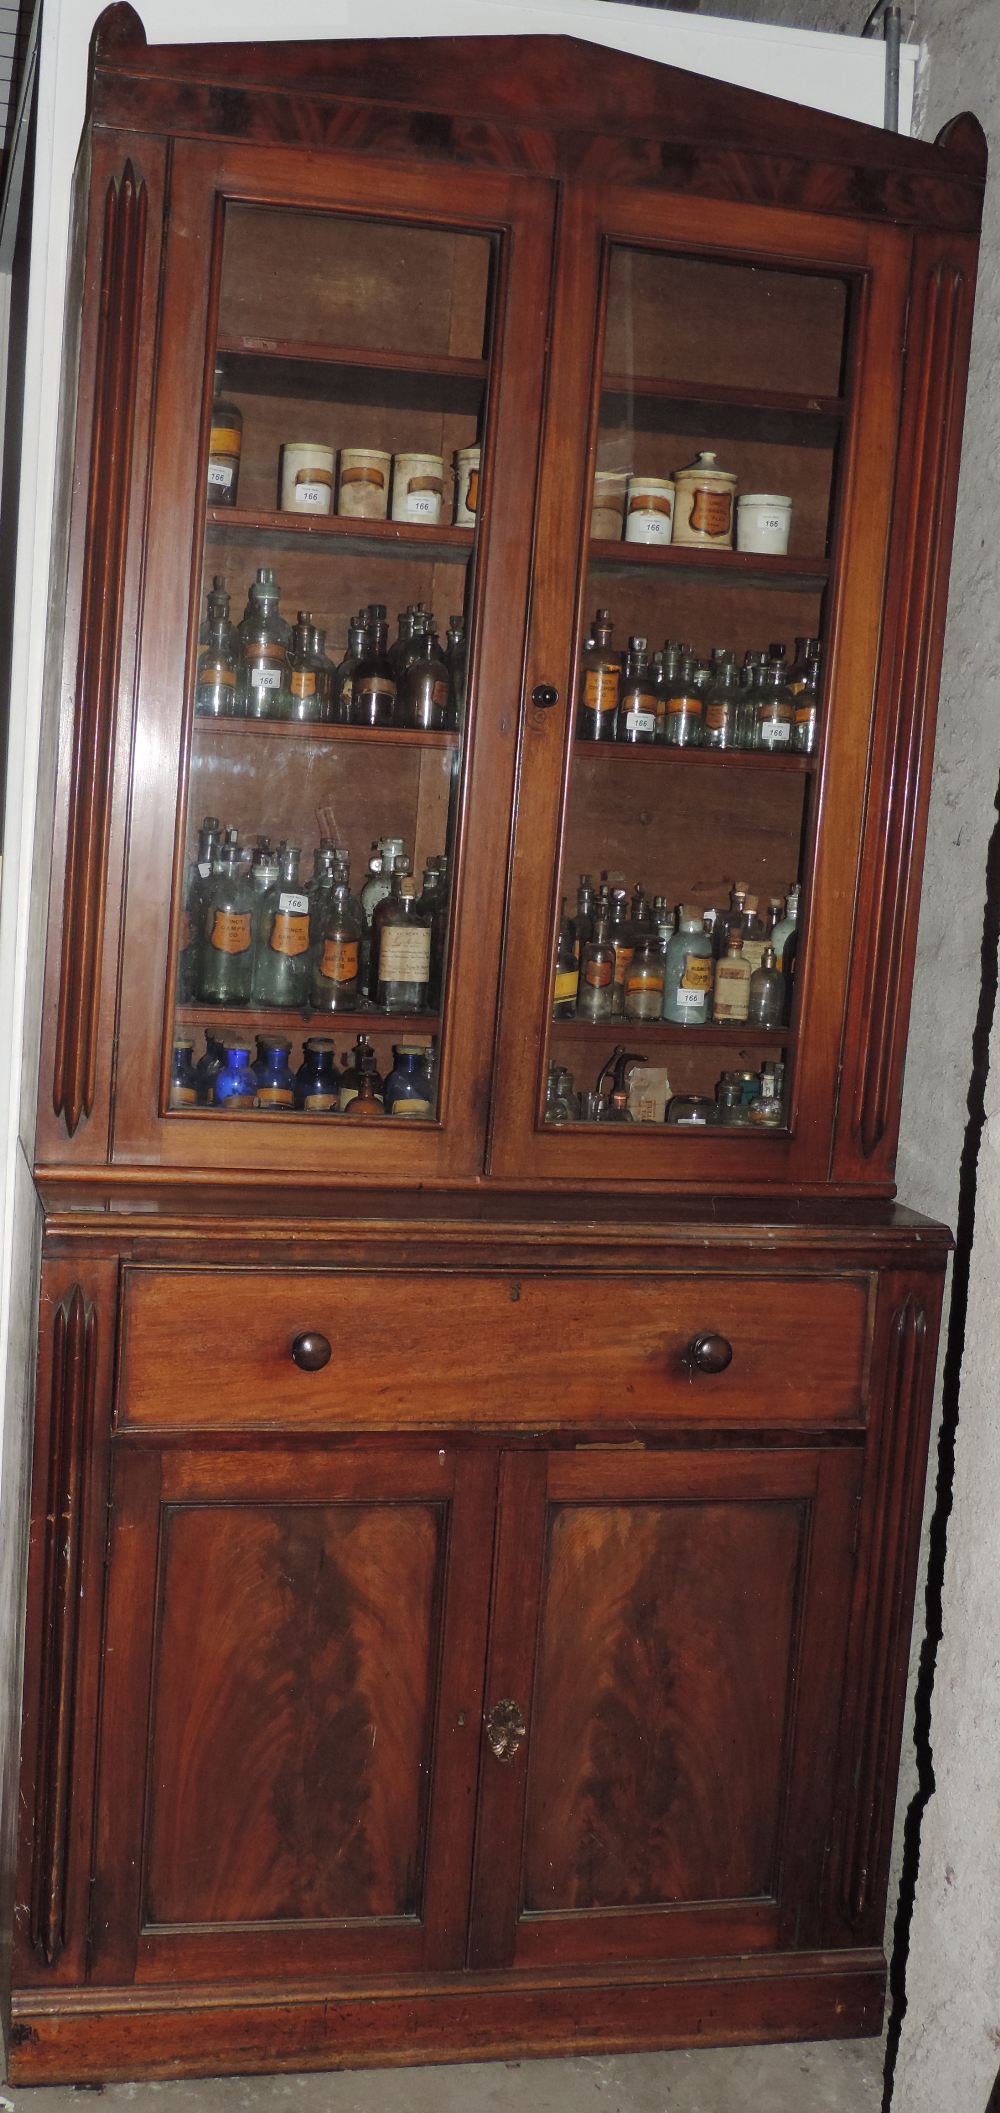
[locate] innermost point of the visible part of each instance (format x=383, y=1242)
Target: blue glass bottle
x=183, y=1086
x=273, y=1073
x=409, y=1089
x=207, y=1069
x=235, y=1085
x=317, y=1081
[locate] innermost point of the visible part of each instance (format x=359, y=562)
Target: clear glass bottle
x=183, y=1090
x=599, y=684
x=687, y=981
x=235, y=1086
x=216, y=693
x=806, y=650
x=767, y=993
x=645, y=980
x=786, y=926
x=637, y=697
x=432, y=902
x=198, y=875
x=456, y=653
x=622, y=939
x=409, y=1090
x=562, y=1105
x=746, y=708
x=336, y=961
x=722, y=698
x=566, y=974
x=225, y=973
x=423, y=695
x=765, y=1111
x=265, y=638
x=224, y=446
x=281, y=965
x=597, y=975
x=732, y=920
x=343, y=674
x=731, y=991
x=684, y=708
x=373, y=686
x=271, y=1068
x=805, y=728
x=775, y=709
x=317, y=1080
x=583, y=922
x=306, y=704
x=401, y=948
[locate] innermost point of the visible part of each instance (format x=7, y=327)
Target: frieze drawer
x=247, y=1350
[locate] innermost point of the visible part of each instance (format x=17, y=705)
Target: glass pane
x=336, y=617
x=687, y=826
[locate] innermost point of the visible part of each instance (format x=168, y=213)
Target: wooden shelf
x=769, y=763
x=740, y=568
x=233, y=524
x=252, y=1020
x=294, y=352
x=626, y=1031
x=715, y=395
x=293, y=730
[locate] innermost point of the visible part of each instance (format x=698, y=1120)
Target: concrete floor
x=839, y=2077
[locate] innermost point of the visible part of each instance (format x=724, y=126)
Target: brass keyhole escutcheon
x=505, y=1728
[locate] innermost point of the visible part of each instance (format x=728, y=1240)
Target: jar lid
x=653, y=484
x=612, y=476
x=706, y=465
x=691, y=913
x=321, y=447
x=764, y=499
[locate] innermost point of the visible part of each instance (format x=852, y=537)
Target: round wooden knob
x=709, y=1353
x=544, y=696
x=311, y=1352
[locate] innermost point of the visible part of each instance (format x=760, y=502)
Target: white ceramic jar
x=607, y=514
x=467, y=462
x=763, y=522
x=363, y=494
x=306, y=478
x=418, y=488
x=706, y=495
x=649, y=510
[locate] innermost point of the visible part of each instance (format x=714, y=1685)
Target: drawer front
x=213, y=1351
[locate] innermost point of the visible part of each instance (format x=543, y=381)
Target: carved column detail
x=929, y=448
x=98, y=659
x=887, y=1601
x=74, y=1346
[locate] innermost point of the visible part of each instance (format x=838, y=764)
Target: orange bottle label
x=303, y=683
x=711, y=512
x=231, y=932
x=600, y=689
x=339, y=961
x=289, y=933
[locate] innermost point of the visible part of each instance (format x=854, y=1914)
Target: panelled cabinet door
x=770, y=341
x=662, y=1754
x=288, y=1750
x=372, y=338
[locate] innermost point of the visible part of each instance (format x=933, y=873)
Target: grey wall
x=950, y=2047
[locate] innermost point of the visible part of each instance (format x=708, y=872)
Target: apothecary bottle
x=281, y=966
x=207, y=1069
x=645, y=980
x=805, y=727
x=402, y=951
x=766, y=1006
x=198, y=875
x=683, y=708
x=637, y=697
x=183, y=1092
x=722, y=698
x=600, y=682
x=235, y=1084
x=687, y=982
x=373, y=684
x=317, y=1080
x=217, y=684
x=336, y=965
x=765, y=1111
x=227, y=947
x=731, y=991
x=343, y=675
x=597, y=974
x=362, y=1063
x=622, y=940
x=224, y=447
x=409, y=1090
x=775, y=709
x=422, y=696
x=265, y=639
x=272, y=1071
x=566, y=977
x=306, y=704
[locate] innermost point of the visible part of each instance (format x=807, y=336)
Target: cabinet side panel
x=102, y=596
x=941, y=300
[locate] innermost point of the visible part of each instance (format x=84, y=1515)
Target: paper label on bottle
x=439, y=693
x=290, y=930
x=183, y=1097
x=711, y=511
x=205, y=871
x=306, y=479
x=411, y=1107
x=598, y=974
x=220, y=476
x=600, y=689
x=423, y=505
x=640, y=722
x=339, y=960
x=405, y=954
x=275, y=1097
x=696, y=977
x=471, y=500
x=225, y=440
x=359, y=474
x=303, y=683
x=566, y=985
x=732, y=991
x=753, y=953
x=311, y=498
x=648, y=981
x=691, y=1000
x=320, y=1103
x=378, y=688
x=265, y=678
x=805, y=712
x=237, y=1100
x=689, y=707
x=716, y=717
x=623, y=961
x=774, y=733
x=231, y=932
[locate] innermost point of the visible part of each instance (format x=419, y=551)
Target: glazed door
x=340, y=507
x=713, y=516
x=661, y=1703
x=293, y=1667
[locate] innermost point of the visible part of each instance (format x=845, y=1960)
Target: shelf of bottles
x=692, y=762
x=328, y=732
